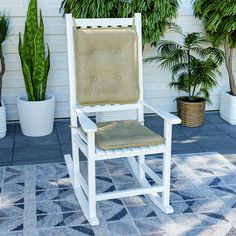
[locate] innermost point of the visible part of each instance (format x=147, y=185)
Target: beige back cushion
x=107, y=66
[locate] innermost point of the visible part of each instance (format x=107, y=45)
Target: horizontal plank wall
x=156, y=89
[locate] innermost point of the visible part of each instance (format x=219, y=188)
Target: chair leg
x=76, y=164
x=93, y=220
x=141, y=162
x=166, y=181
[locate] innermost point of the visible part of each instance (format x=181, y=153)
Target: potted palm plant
x=194, y=65
x=220, y=24
x=4, y=30
x=156, y=15
x=36, y=109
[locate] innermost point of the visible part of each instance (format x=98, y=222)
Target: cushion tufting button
x=95, y=78
x=119, y=77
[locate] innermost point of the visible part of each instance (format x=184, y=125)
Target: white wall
x=156, y=90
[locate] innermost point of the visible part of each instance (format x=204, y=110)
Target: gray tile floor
x=215, y=135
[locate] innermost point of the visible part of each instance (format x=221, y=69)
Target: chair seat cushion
x=125, y=134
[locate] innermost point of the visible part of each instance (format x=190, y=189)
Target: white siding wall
x=156, y=91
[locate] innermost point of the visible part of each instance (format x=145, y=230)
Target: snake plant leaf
x=26, y=72
x=31, y=27
x=32, y=53
x=47, y=67
x=39, y=59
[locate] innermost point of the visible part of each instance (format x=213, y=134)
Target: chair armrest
x=87, y=124
x=174, y=120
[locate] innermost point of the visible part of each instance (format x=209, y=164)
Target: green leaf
x=31, y=27
x=26, y=72
x=44, y=82
x=39, y=59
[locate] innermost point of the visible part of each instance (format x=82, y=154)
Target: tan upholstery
x=125, y=134
x=107, y=66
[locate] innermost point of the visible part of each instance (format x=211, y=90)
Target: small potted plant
x=219, y=22
x=4, y=30
x=36, y=110
x=194, y=65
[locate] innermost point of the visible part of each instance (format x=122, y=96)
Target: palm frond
x=4, y=26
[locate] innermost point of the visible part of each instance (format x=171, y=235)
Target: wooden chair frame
x=86, y=193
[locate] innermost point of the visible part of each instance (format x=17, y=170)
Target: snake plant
x=35, y=64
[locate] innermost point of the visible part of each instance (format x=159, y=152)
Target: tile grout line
x=58, y=140
x=13, y=145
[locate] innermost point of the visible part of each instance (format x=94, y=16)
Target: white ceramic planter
x=36, y=118
x=228, y=108
x=3, y=122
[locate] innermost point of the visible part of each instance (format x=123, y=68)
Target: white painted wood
x=101, y=155
x=152, y=174
x=104, y=22
x=128, y=193
x=86, y=143
x=79, y=192
x=228, y=108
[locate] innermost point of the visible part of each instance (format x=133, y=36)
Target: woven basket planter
x=191, y=113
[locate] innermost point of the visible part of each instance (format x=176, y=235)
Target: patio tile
x=205, y=130
x=227, y=128
x=12, y=198
x=153, y=121
x=18, y=233
x=11, y=224
x=7, y=211
x=119, y=213
x=52, y=207
x=185, y=146
x=54, y=195
x=53, y=184
x=222, y=140
x=5, y=156
x=190, y=194
x=202, y=231
x=214, y=218
x=198, y=206
x=184, y=183
x=144, y=211
x=13, y=187
x=21, y=140
x=136, y=200
x=190, y=220
x=150, y=226
x=122, y=228
x=52, y=171
x=37, y=154
x=62, y=219
x=78, y=230
x=11, y=129
x=110, y=203
x=7, y=142
x=14, y=174
x=214, y=118
x=222, y=191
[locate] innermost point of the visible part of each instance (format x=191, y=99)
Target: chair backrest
x=105, y=63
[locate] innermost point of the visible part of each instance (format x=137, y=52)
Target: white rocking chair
x=103, y=47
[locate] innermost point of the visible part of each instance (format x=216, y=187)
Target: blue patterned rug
x=39, y=200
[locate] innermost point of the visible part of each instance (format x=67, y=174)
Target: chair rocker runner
x=105, y=75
